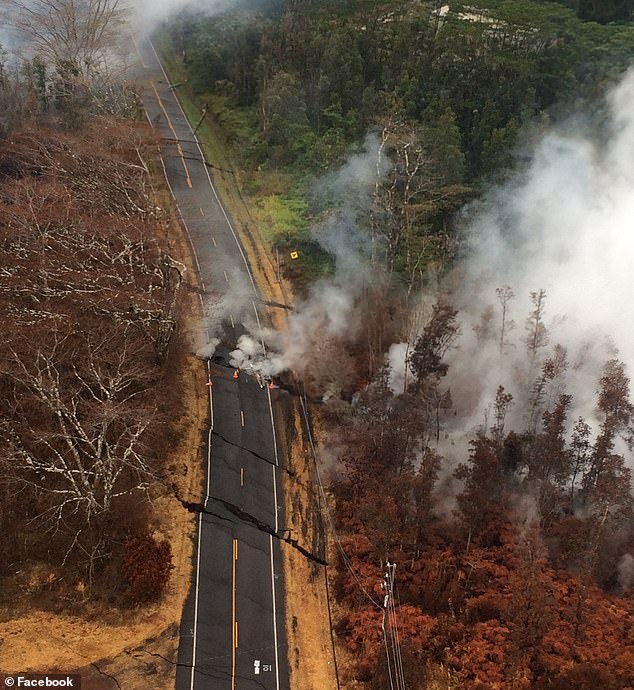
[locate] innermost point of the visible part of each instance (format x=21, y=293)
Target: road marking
x=138, y=52
x=231, y=319
x=242, y=476
x=242, y=417
x=225, y=273
x=234, y=628
x=202, y=213
x=200, y=527
x=178, y=144
x=213, y=239
x=236, y=634
x=211, y=184
x=277, y=661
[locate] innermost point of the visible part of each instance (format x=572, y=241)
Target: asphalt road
x=232, y=630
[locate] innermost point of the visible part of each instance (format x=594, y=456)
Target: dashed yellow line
x=242, y=417
x=242, y=476
x=178, y=145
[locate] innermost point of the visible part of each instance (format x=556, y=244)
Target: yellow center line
x=178, y=145
x=242, y=417
x=242, y=476
x=234, y=624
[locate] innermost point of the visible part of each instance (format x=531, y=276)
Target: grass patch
x=283, y=219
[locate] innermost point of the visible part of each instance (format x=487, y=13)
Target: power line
x=389, y=615
x=346, y=559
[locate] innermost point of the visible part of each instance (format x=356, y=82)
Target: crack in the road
x=252, y=520
x=252, y=452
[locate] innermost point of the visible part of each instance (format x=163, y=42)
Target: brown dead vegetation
x=98, y=298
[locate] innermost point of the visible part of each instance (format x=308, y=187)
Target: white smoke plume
x=566, y=225
x=329, y=310
x=625, y=571
x=147, y=16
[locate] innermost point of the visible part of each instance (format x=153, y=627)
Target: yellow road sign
x=294, y=255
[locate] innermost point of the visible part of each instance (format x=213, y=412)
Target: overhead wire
x=347, y=562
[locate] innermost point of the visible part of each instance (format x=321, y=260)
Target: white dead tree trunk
x=91, y=449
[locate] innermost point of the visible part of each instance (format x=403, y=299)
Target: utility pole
x=389, y=627
x=202, y=117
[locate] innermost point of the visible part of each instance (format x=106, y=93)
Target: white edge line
x=200, y=527
x=202, y=159
x=277, y=669
x=277, y=663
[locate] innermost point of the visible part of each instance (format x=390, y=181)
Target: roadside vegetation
x=99, y=425
x=513, y=564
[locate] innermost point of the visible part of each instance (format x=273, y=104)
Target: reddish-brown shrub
x=145, y=565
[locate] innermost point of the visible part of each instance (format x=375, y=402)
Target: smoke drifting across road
x=329, y=311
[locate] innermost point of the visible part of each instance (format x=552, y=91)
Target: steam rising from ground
x=329, y=310
x=565, y=225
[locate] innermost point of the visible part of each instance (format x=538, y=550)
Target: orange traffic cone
x=236, y=374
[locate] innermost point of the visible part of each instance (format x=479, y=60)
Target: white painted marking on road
x=202, y=213
x=211, y=184
x=256, y=666
x=242, y=476
x=200, y=526
x=232, y=323
x=225, y=274
x=213, y=239
x=257, y=318
x=242, y=417
x=277, y=663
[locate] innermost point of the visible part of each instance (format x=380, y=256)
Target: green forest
x=296, y=86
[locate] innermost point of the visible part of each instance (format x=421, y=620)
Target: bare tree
x=78, y=40
x=505, y=296
x=404, y=199
x=536, y=334
x=81, y=441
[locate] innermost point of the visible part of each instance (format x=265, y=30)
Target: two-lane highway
x=232, y=631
